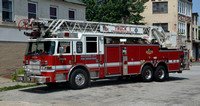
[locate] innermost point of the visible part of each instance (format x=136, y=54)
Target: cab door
x=64, y=60
x=91, y=56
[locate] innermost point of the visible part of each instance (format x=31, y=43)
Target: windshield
x=40, y=48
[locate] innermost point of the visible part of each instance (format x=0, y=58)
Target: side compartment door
x=112, y=60
x=130, y=59
x=124, y=61
x=134, y=63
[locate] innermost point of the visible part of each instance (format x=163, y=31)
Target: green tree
x=93, y=10
x=135, y=13
x=114, y=11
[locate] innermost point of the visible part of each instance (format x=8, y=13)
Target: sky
x=196, y=8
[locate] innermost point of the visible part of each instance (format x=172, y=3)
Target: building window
x=53, y=13
x=188, y=10
x=196, y=34
x=32, y=10
x=181, y=7
x=71, y=15
x=163, y=25
x=193, y=20
x=160, y=7
x=7, y=10
x=91, y=44
x=181, y=28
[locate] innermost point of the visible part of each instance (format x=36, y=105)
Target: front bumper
x=33, y=79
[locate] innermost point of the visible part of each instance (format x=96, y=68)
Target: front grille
x=34, y=66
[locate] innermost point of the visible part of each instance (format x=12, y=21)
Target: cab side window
x=65, y=45
x=91, y=44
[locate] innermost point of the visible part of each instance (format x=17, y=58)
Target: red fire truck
x=79, y=51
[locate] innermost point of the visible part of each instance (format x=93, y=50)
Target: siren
x=32, y=34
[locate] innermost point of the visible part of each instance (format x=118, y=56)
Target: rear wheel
x=147, y=73
x=79, y=79
x=160, y=73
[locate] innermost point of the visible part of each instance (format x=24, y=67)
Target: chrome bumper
x=33, y=79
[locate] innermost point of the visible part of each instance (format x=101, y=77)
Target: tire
x=79, y=79
x=160, y=74
x=147, y=74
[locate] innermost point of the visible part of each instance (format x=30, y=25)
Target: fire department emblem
x=149, y=51
x=105, y=28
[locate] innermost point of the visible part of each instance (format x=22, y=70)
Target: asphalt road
x=179, y=90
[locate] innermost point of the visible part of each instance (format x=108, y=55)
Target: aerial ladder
x=56, y=28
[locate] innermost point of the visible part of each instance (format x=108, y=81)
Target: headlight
x=43, y=68
x=46, y=68
x=49, y=68
x=25, y=67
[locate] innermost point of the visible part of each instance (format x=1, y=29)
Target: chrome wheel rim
x=148, y=74
x=80, y=79
x=161, y=73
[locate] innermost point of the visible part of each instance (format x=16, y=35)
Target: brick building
x=14, y=10
x=174, y=16
x=195, y=37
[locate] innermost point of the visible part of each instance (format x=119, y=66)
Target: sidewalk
x=195, y=63
x=6, y=82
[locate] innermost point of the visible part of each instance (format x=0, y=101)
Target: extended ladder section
x=58, y=27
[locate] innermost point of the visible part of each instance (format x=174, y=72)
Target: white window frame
x=189, y=8
x=74, y=14
x=182, y=28
x=12, y=18
x=85, y=46
x=35, y=9
x=184, y=9
x=56, y=47
x=181, y=8
x=56, y=11
x=160, y=7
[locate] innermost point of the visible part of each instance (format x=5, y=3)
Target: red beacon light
x=66, y=34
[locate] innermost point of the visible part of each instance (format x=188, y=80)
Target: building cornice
x=75, y=2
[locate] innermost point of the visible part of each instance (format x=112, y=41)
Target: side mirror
x=61, y=50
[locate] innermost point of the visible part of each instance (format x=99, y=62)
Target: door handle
x=62, y=59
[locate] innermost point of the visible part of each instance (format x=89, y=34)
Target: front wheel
x=147, y=73
x=79, y=79
x=160, y=74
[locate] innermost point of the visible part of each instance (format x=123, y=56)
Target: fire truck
x=80, y=51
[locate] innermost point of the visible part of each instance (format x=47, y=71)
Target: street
x=180, y=89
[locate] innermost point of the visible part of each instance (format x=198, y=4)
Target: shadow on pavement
x=99, y=83
x=176, y=78
x=45, y=89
